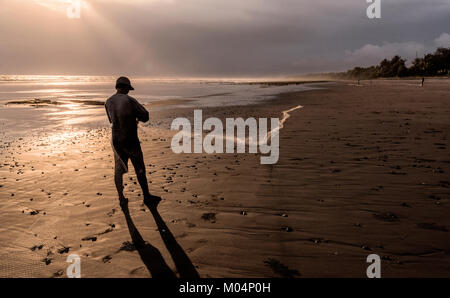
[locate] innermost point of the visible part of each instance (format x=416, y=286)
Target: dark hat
x=124, y=82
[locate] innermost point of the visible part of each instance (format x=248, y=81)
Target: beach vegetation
x=435, y=64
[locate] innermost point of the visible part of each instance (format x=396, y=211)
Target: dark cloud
x=214, y=37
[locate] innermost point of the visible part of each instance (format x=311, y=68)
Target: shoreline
x=48, y=114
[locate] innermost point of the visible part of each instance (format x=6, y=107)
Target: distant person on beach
x=423, y=81
x=124, y=112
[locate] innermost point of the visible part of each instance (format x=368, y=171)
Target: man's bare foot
x=151, y=200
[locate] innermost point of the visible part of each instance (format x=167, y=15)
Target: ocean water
x=72, y=102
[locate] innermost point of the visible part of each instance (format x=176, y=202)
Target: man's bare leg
x=139, y=167
x=118, y=179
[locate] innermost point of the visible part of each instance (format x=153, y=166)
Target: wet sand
x=362, y=169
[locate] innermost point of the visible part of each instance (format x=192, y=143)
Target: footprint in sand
x=106, y=259
x=386, y=216
x=288, y=229
x=432, y=226
x=127, y=246
x=138, y=270
x=211, y=217
x=58, y=273
x=281, y=269
x=111, y=213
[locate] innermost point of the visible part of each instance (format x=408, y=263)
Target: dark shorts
x=122, y=153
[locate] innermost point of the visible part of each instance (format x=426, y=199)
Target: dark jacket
x=124, y=112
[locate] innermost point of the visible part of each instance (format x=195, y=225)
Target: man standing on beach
x=124, y=113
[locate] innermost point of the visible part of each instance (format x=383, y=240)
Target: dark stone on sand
x=434, y=197
x=37, y=247
x=397, y=173
x=63, y=250
x=89, y=238
x=47, y=261
x=31, y=212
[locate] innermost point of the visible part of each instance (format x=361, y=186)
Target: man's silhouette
x=124, y=112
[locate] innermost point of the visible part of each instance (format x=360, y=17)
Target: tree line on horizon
x=436, y=64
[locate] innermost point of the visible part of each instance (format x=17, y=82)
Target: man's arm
x=107, y=114
x=141, y=113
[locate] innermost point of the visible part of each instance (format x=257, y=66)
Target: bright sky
x=214, y=37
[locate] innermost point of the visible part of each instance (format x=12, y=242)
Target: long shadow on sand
x=184, y=265
x=149, y=254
